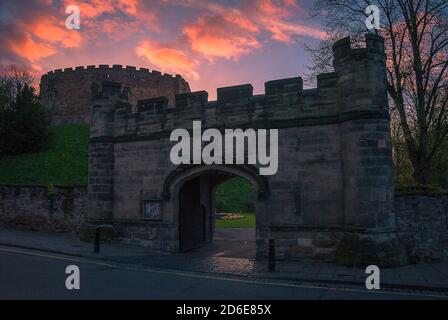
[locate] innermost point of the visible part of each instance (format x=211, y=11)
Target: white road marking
x=203, y=276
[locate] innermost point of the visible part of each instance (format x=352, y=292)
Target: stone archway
x=335, y=180
x=191, y=191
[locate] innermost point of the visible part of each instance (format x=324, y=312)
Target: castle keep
x=67, y=94
x=332, y=197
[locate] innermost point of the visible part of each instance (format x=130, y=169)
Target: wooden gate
x=192, y=216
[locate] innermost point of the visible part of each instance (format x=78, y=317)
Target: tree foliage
x=23, y=120
x=416, y=40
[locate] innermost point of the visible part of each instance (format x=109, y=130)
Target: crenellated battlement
x=355, y=89
x=67, y=93
x=344, y=53
x=113, y=68
x=276, y=91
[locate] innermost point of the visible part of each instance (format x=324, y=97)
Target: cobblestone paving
x=220, y=265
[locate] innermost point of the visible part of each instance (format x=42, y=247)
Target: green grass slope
x=63, y=163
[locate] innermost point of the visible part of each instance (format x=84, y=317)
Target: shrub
x=23, y=124
x=235, y=195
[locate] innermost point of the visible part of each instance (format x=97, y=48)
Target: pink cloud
x=208, y=32
x=219, y=36
x=29, y=39
x=283, y=19
x=94, y=12
x=230, y=32
x=90, y=9
x=29, y=49
x=284, y=32
x=167, y=58
x=53, y=31
x=36, y=30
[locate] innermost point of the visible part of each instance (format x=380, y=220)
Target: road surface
x=28, y=274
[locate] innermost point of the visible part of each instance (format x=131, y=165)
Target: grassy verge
x=63, y=163
x=247, y=222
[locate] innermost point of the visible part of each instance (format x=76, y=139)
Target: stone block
x=284, y=86
x=234, y=93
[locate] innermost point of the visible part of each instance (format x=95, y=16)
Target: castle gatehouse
x=331, y=198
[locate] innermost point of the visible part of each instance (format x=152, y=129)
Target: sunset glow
x=210, y=43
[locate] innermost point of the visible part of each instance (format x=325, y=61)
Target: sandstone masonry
x=67, y=94
x=422, y=219
x=53, y=209
x=332, y=197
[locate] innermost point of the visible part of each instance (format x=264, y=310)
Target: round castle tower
x=67, y=93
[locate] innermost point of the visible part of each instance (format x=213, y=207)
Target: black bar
x=97, y=240
x=271, y=265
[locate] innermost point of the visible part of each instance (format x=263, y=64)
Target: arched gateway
x=331, y=198
x=190, y=191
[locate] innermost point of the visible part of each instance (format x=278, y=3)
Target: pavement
x=232, y=254
x=29, y=274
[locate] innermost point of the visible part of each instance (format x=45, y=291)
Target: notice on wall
x=151, y=209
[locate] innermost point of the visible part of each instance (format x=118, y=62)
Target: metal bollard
x=97, y=240
x=271, y=257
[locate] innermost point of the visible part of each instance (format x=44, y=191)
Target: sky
x=210, y=43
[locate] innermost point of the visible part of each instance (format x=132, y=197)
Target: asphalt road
x=37, y=275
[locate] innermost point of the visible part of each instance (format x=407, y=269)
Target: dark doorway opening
x=215, y=217
x=192, y=216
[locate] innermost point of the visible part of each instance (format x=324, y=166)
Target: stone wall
x=67, y=94
x=422, y=222
x=53, y=209
x=335, y=164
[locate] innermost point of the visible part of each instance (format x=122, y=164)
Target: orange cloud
x=270, y=8
x=230, y=32
x=219, y=30
x=29, y=49
x=34, y=34
x=283, y=32
x=280, y=18
x=92, y=9
x=116, y=29
x=167, y=58
x=116, y=19
x=42, y=38
x=129, y=6
x=54, y=31
x=39, y=31
x=43, y=33
x=219, y=36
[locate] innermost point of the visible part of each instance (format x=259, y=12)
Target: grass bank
x=64, y=162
